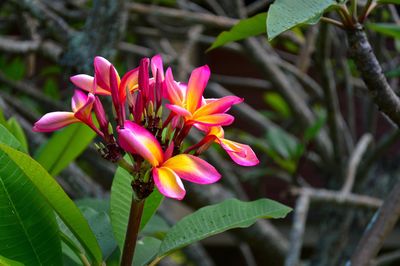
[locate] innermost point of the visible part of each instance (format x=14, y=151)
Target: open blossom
x=167, y=171
x=153, y=139
x=188, y=102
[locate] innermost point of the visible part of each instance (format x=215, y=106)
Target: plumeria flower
x=81, y=112
x=188, y=102
x=167, y=171
x=240, y=153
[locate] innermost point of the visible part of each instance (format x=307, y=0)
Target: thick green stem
x=135, y=217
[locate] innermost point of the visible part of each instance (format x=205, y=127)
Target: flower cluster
x=153, y=141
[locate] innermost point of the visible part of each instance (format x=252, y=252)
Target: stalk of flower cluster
x=135, y=217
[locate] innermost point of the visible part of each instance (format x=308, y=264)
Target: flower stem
x=135, y=217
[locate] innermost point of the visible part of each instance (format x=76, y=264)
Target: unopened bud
x=110, y=129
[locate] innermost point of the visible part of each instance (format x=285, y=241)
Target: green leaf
x=146, y=250
x=64, y=147
x=120, y=203
x=16, y=129
x=215, y=219
x=28, y=230
x=101, y=226
x=282, y=142
x=315, y=128
x=7, y=138
x=393, y=73
x=8, y=262
x=57, y=199
x=100, y=205
x=388, y=29
x=156, y=227
x=277, y=102
x=243, y=29
x=286, y=14
x=396, y=2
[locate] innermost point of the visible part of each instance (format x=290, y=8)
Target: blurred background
x=324, y=147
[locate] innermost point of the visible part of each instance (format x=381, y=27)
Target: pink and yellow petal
x=240, y=153
x=129, y=83
x=179, y=110
x=84, y=113
x=218, y=106
x=197, y=83
x=214, y=120
x=78, y=100
x=85, y=82
x=168, y=183
x=53, y=121
x=193, y=169
x=136, y=139
x=175, y=93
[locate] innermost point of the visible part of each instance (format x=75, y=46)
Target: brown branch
x=298, y=228
x=324, y=195
x=378, y=229
x=354, y=161
x=39, y=10
x=192, y=17
x=371, y=72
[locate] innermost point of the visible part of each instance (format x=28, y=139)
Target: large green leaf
x=16, y=129
x=243, y=29
x=218, y=218
x=146, y=250
x=7, y=138
x=63, y=147
x=28, y=230
x=286, y=14
x=120, y=203
x=388, y=29
x=8, y=262
x=57, y=199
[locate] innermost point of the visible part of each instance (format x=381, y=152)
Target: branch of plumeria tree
x=153, y=141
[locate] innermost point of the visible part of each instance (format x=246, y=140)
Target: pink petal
x=144, y=76
x=169, y=151
x=136, y=139
x=102, y=72
x=178, y=110
x=240, y=153
x=129, y=83
x=78, y=100
x=218, y=106
x=168, y=183
x=192, y=169
x=85, y=82
x=174, y=91
x=197, y=83
x=157, y=64
x=114, y=88
x=84, y=113
x=214, y=120
x=53, y=121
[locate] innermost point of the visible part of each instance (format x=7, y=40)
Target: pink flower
x=81, y=112
x=188, y=102
x=167, y=171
